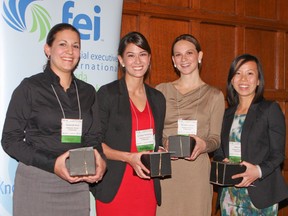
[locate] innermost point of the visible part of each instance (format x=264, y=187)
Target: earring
x=199, y=61
x=123, y=65
x=175, y=66
x=48, y=57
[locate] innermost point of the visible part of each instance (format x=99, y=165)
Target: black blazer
x=262, y=143
x=116, y=126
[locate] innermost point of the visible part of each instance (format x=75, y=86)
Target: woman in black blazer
x=253, y=133
x=128, y=106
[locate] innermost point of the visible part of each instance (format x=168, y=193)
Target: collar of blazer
x=253, y=114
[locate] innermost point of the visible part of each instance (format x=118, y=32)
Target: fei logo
x=82, y=21
x=15, y=12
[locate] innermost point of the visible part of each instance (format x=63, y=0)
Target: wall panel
x=282, y=11
x=217, y=43
x=171, y=3
x=266, y=9
x=286, y=60
x=263, y=44
x=220, y=6
x=130, y=23
x=162, y=32
x=225, y=28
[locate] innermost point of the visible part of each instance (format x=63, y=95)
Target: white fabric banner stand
x=24, y=25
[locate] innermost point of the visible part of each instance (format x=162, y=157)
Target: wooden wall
x=225, y=28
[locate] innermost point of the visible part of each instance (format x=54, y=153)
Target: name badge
x=145, y=140
x=187, y=127
x=71, y=130
x=235, y=152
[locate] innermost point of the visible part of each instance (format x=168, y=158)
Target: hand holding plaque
x=81, y=162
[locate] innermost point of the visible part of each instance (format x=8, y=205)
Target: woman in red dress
x=132, y=118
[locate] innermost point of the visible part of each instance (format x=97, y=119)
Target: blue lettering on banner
x=6, y=193
x=82, y=21
x=6, y=189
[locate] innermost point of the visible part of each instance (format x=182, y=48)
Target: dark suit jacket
x=116, y=126
x=263, y=144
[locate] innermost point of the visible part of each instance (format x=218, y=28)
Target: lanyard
x=134, y=111
x=78, y=100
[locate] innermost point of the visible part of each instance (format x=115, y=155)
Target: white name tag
x=71, y=130
x=145, y=140
x=187, y=127
x=235, y=151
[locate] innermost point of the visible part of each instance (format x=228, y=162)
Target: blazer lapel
x=228, y=120
x=151, y=99
x=247, y=127
x=124, y=103
x=124, y=111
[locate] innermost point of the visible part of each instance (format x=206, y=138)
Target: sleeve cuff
x=260, y=171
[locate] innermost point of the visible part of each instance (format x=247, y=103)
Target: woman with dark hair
x=253, y=134
x=190, y=101
x=132, y=117
x=232, y=94
x=32, y=132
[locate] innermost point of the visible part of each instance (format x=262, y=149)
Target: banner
x=24, y=25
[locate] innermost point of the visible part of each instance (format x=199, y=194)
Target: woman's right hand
x=134, y=159
x=61, y=170
x=226, y=160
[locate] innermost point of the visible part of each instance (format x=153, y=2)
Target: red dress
x=136, y=196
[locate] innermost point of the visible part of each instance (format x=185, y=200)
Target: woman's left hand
x=162, y=149
x=100, y=169
x=249, y=176
x=61, y=170
x=200, y=147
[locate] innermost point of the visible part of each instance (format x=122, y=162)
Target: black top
x=262, y=143
x=116, y=125
x=32, y=129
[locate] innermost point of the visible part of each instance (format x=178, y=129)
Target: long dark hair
x=191, y=39
x=232, y=96
x=137, y=39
